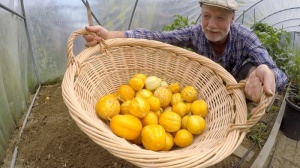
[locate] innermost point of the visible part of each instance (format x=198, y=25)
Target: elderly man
x=219, y=38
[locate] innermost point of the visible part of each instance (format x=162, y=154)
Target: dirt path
x=52, y=139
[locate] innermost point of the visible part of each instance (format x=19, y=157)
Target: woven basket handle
x=73, y=36
x=261, y=108
x=70, y=54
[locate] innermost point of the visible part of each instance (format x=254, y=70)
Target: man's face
x=216, y=22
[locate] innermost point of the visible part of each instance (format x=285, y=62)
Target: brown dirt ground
x=51, y=138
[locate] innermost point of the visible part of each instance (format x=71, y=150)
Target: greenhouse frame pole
x=298, y=34
x=92, y=13
x=132, y=14
x=285, y=21
x=278, y=12
x=249, y=8
x=198, y=18
x=11, y=11
x=243, y=17
x=294, y=39
x=254, y=17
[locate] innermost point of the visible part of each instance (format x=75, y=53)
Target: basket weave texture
x=103, y=68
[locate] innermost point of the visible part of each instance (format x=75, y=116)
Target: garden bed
x=52, y=139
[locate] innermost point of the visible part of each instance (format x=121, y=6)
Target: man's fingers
x=94, y=29
x=91, y=43
x=267, y=77
x=269, y=86
x=256, y=89
x=253, y=111
x=89, y=38
x=253, y=88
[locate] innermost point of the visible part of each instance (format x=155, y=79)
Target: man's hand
x=101, y=34
x=260, y=78
x=91, y=40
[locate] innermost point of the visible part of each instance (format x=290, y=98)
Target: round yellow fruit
x=153, y=137
x=125, y=107
x=184, y=121
x=108, y=106
x=136, y=83
x=164, y=95
x=180, y=108
x=159, y=112
x=140, y=75
x=188, y=106
x=150, y=118
x=174, y=87
x=189, y=94
x=199, y=107
x=145, y=93
x=176, y=97
x=169, y=142
x=169, y=108
x=183, y=138
x=164, y=84
x=139, y=107
x=196, y=124
x=125, y=92
x=154, y=103
x=170, y=121
x=152, y=82
x=128, y=127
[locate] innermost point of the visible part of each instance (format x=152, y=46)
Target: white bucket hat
x=227, y=4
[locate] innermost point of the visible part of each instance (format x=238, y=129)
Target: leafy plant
x=277, y=42
x=293, y=71
x=274, y=109
x=179, y=22
x=257, y=134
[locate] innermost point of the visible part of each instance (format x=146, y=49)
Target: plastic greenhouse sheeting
x=17, y=77
x=277, y=13
x=52, y=21
x=27, y=60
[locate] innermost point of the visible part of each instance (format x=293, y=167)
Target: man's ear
x=232, y=18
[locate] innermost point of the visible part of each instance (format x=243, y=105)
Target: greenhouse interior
x=33, y=56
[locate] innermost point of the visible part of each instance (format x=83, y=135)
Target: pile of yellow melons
x=150, y=112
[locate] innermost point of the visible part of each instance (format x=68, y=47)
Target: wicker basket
x=103, y=68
